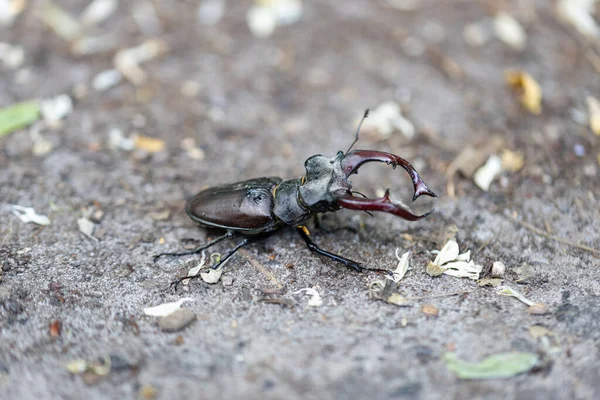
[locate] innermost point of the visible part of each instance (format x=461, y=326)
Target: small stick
x=545, y=234
x=439, y=295
x=261, y=268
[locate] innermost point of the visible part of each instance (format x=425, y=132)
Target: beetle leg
x=383, y=204
x=228, y=235
x=316, y=249
x=223, y=260
x=353, y=160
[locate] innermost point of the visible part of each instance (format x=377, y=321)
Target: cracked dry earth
x=262, y=107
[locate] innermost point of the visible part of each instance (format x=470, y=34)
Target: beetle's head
x=325, y=186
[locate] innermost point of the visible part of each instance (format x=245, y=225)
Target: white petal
x=165, y=309
x=448, y=253
x=402, y=267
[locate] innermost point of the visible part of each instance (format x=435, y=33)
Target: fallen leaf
x=165, y=309
x=149, y=144
x=195, y=270
x=494, y=282
x=594, y=114
x=397, y=299
x=507, y=291
x=538, y=331
x=18, y=115
x=528, y=90
x=450, y=262
x=512, y=161
x=430, y=310
x=538, y=309
x=76, y=366
x=497, y=366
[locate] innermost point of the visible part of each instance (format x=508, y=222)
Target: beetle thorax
x=324, y=181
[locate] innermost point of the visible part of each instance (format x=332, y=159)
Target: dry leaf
x=528, y=90
x=594, y=114
x=152, y=145
x=538, y=331
x=493, y=282
x=165, y=309
x=55, y=328
x=430, y=310
x=512, y=161
x=538, y=309
x=396, y=299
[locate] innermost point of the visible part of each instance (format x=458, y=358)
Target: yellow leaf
x=594, y=112
x=512, y=161
x=152, y=145
x=529, y=91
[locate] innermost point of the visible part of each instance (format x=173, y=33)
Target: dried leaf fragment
x=430, y=310
x=450, y=262
x=55, y=328
x=28, y=214
x=512, y=161
x=18, y=115
x=497, y=366
x=493, y=282
x=401, y=268
x=149, y=144
x=485, y=175
x=594, y=114
x=165, y=309
x=528, y=90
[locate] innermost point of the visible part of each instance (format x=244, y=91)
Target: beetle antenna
x=358, y=130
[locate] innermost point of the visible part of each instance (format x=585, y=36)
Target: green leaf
x=18, y=116
x=497, y=366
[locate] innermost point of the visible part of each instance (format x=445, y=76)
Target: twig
x=547, y=235
x=439, y=295
x=261, y=268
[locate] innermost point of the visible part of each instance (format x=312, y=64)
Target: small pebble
x=177, y=321
x=498, y=269
x=579, y=150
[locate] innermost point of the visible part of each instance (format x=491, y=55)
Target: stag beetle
x=256, y=208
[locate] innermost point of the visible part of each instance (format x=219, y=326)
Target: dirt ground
x=259, y=107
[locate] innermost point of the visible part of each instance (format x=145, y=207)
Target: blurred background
x=113, y=112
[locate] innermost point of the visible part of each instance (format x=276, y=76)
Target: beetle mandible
x=256, y=208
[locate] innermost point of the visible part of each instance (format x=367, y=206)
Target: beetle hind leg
x=228, y=235
x=312, y=246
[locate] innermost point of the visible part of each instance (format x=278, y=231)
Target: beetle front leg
x=316, y=249
x=228, y=235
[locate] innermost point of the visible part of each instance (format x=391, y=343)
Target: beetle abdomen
x=245, y=206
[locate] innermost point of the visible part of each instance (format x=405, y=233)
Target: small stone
x=538, y=309
x=227, y=280
x=430, y=310
x=498, y=269
x=177, y=320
